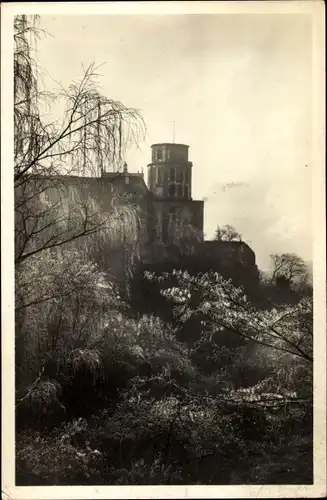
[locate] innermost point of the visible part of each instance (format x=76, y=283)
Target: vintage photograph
x=163, y=241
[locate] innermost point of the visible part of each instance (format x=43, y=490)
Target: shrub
x=55, y=460
x=143, y=473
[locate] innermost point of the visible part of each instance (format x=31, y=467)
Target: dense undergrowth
x=105, y=396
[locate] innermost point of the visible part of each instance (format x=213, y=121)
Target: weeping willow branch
x=58, y=215
x=92, y=136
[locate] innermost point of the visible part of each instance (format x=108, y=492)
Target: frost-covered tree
x=222, y=305
x=227, y=233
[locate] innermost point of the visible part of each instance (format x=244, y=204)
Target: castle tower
x=175, y=216
x=170, y=172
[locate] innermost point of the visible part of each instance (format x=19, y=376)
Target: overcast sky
x=239, y=89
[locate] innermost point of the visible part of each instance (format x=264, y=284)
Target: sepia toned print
x=165, y=286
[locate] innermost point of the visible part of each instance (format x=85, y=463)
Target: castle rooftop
x=169, y=144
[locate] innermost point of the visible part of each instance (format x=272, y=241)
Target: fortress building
x=171, y=228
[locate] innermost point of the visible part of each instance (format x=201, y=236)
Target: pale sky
x=239, y=89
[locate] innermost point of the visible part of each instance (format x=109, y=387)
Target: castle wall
x=228, y=251
x=232, y=259
x=171, y=217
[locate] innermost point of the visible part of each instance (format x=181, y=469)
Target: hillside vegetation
x=107, y=396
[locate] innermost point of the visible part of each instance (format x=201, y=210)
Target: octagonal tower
x=170, y=171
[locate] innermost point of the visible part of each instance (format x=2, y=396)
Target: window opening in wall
x=171, y=190
x=158, y=226
x=186, y=191
x=159, y=154
x=186, y=176
x=160, y=176
x=152, y=174
x=177, y=220
x=172, y=215
x=179, y=190
x=179, y=176
x=172, y=174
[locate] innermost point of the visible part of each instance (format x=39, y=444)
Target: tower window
x=186, y=176
x=179, y=176
x=172, y=174
x=159, y=154
x=186, y=191
x=179, y=190
x=171, y=190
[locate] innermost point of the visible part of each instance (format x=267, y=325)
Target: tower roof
x=169, y=144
